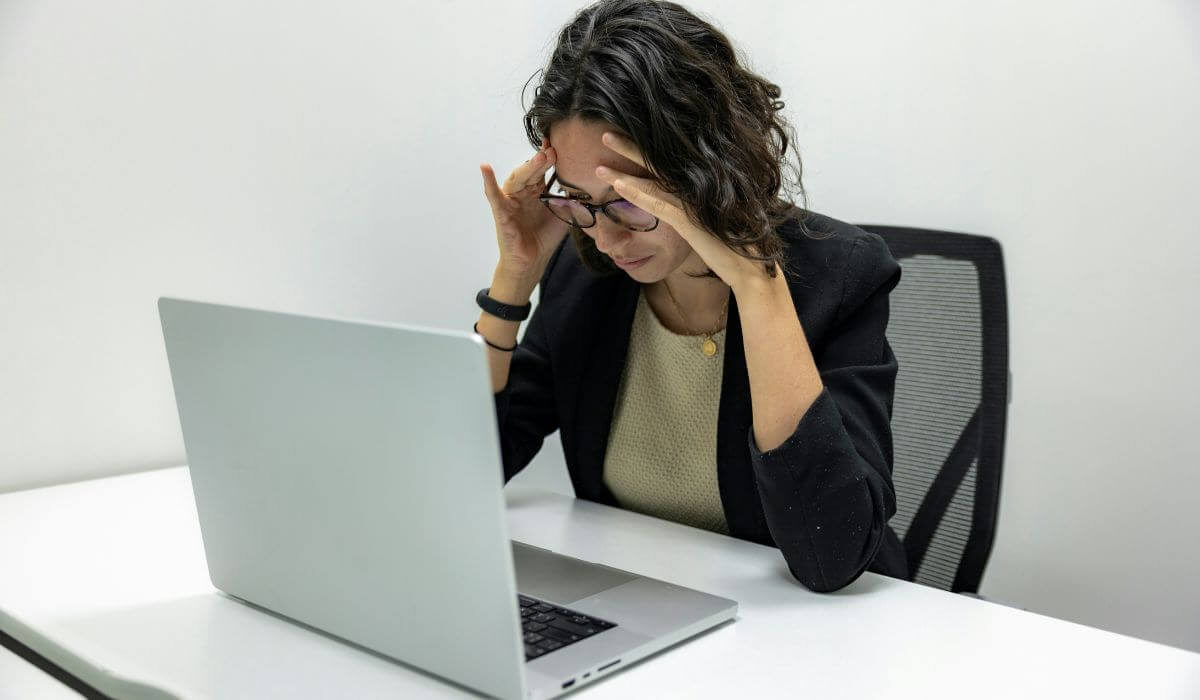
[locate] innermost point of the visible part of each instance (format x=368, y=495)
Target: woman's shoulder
x=808, y=233
x=833, y=268
x=832, y=257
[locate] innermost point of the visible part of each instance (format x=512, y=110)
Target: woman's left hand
x=734, y=269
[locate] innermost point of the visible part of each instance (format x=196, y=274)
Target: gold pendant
x=709, y=347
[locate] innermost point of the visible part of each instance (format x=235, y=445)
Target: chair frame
x=990, y=417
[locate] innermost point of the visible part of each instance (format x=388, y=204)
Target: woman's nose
x=608, y=235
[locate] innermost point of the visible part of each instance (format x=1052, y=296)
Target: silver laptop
x=347, y=475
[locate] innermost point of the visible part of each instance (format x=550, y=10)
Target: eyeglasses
x=579, y=213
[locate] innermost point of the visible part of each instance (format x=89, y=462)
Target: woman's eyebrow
x=576, y=187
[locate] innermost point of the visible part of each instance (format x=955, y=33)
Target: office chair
x=949, y=330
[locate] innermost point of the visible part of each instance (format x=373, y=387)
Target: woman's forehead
x=578, y=151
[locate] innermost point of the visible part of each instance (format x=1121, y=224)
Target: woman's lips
x=630, y=264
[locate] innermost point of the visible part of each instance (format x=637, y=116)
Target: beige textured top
x=662, y=447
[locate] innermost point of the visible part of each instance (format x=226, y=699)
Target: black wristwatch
x=499, y=309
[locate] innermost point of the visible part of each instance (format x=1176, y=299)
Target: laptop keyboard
x=548, y=627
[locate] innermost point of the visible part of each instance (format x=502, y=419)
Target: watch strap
x=499, y=309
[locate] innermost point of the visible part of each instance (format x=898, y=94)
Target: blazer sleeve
x=526, y=411
x=827, y=490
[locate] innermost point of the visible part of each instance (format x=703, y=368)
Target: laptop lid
x=347, y=475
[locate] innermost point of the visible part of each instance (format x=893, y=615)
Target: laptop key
x=550, y=644
x=542, y=617
x=533, y=651
x=543, y=607
x=533, y=637
x=561, y=635
x=567, y=626
x=531, y=626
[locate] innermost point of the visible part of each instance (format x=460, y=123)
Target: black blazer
x=825, y=495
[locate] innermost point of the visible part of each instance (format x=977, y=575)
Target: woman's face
x=646, y=256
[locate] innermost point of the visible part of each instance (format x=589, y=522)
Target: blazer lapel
x=598, y=384
x=735, y=474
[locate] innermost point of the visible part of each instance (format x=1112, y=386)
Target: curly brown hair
x=707, y=127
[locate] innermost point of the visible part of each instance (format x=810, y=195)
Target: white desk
x=21, y=679
x=107, y=578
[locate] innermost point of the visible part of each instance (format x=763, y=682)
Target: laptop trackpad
x=559, y=578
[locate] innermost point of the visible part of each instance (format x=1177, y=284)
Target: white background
x=323, y=158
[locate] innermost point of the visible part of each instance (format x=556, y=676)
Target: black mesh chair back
x=949, y=330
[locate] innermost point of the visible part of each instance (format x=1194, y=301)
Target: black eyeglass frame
x=545, y=198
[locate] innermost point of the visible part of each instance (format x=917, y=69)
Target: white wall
x=324, y=159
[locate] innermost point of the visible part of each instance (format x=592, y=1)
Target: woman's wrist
x=513, y=289
x=758, y=283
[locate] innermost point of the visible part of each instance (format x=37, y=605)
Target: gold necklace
x=708, y=346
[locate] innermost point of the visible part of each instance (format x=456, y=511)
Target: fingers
x=624, y=146
x=490, y=188
x=640, y=192
x=526, y=175
x=643, y=192
x=531, y=172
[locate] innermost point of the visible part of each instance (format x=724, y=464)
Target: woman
x=709, y=352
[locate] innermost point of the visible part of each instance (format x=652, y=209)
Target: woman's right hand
x=526, y=232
